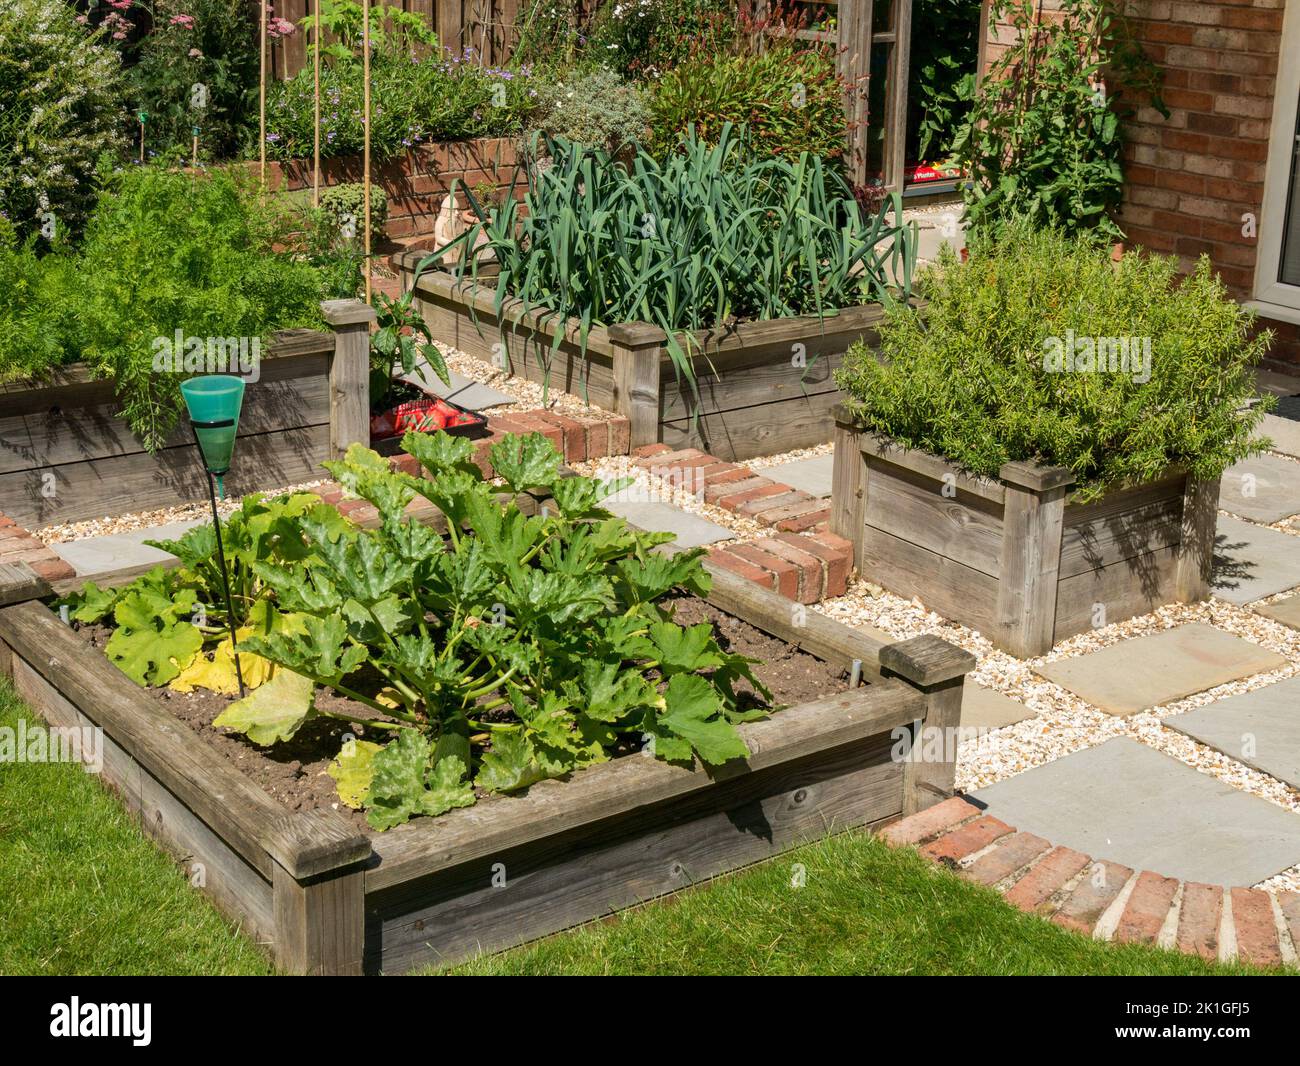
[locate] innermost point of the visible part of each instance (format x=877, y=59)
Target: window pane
x=1289, y=270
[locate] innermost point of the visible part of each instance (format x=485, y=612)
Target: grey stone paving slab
x=692, y=531
x=1260, y=728
x=102, y=555
x=1251, y=562
x=1134, y=805
x=813, y=476
x=462, y=390
x=1159, y=668
x=989, y=709
x=1263, y=488
x=1286, y=611
x=1283, y=427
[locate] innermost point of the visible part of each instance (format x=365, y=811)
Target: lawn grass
x=864, y=908
x=82, y=891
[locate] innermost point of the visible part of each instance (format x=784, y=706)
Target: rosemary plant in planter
x=1040, y=451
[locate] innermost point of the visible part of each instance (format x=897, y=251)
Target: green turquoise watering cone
x=214, y=403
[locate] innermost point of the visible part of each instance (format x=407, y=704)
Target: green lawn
x=83, y=892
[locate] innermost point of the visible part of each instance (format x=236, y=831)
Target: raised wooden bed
x=328, y=899
x=67, y=455
x=753, y=398
x=1015, y=557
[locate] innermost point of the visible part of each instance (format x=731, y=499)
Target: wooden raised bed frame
x=753, y=399
x=1015, y=557
x=327, y=899
x=66, y=455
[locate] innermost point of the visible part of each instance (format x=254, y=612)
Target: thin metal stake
x=225, y=581
x=855, y=675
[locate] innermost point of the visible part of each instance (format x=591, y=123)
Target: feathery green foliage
x=971, y=377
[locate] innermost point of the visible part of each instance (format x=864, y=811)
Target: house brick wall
x=415, y=183
x=1193, y=179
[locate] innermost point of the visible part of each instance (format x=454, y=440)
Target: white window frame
x=1271, y=295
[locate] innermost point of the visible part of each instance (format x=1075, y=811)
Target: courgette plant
x=515, y=648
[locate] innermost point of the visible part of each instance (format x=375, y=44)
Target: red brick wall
x=416, y=182
x=1192, y=178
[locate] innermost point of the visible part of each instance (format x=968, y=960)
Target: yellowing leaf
x=273, y=712
x=353, y=769
x=218, y=673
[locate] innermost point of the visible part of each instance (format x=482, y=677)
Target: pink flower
x=182, y=20
x=278, y=27
x=121, y=5
x=195, y=54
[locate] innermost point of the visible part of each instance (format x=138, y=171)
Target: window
x=1277, y=272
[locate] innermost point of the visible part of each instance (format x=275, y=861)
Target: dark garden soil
x=296, y=772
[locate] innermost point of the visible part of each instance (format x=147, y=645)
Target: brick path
x=1104, y=899
x=19, y=546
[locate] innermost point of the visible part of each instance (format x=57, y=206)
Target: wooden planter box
x=328, y=899
x=764, y=387
x=1015, y=557
x=67, y=455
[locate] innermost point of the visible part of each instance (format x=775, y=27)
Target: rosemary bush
x=1006, y=363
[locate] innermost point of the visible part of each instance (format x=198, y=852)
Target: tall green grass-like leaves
x=709, y=236
x=975, y=378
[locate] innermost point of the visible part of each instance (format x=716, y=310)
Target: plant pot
x=409, y=406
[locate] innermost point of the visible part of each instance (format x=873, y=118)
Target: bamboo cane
x=315, y=184
x=365, y=150
x=261, y=93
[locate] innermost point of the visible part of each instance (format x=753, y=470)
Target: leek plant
x=709, y=236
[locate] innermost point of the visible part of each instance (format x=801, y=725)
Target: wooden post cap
x=926, y=660
x=353, y=312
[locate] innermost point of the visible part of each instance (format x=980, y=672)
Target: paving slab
x=1286, y=611
x=1263, y=488
x=692, y=531
x=1251, y=562
x=1131, y=804
x=812, y=476
x=102, y=555
x=465, y=391
x=1259, y=728
x=987, y=708
x=1282, y=427
x=1158, y=668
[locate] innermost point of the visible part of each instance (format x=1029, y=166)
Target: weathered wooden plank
x=849, y=484
x=636, y=358
x=244, y=816
x=236, y=887
x=141, y=482
x=564, y=879
x=1200, y=514
x=943, y=585
x=720, y=388
x=610, y=789
x=766, y=429
x=349, y=374
x=1115, y=592
x=890, y=451
x=19, y=582
x=48, y=436
x=1028, y=568
x=1121, y=535
x=320, y=923
x=940, y=516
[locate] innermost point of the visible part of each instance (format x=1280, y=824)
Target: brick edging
x=17, y=545
x=802, y=559
x=1104, y=899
